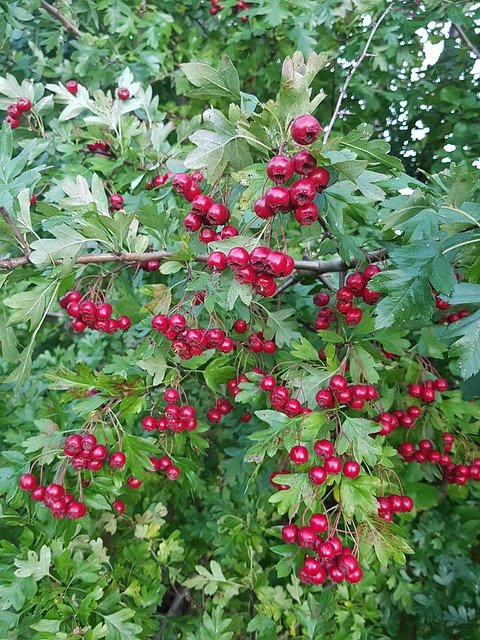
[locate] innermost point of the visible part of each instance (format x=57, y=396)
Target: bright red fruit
x=305, y=129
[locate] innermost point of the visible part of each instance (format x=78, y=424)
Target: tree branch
x=312, y=266
x=463, y=36
x=356, y=64
x=175, y=606
x=53, y=11
x=16, y=232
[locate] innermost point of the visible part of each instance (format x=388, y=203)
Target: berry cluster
x=15, y=111
x=205, y=211
x=332, y=559
x=257, y=343
x=61, y=504
x=257, y=268
x=99, y=146
x=340, y=391
x=297, y=196
x=390, y=421
x=279, y=397
x=188, y=342
x=222, y=408
x=453, y=473
x=86, y=313
x=355, y=287
x=86, y=453
x=453, y=317
x=426, y=392
x=176, y=418
x=164, y=463
x=394, y=503
x=159, y=180
x=216, y=7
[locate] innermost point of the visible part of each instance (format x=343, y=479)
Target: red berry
x=240, y=326
x=238, y=257
x=305, y=129
x=319, y=522
x=117, y=460
x=333, y=465
x=353, y=316
x=317, y=475
x=217, y=261
x=338, y=383
x=415, y=390
x=173, y=473
x=88, y=441
x=325, y=399
x=38, y=494
x=306, y=214
x=28, y=482
x=280, y=168
x=14, y=112
x=72, y=86
x=76, y=510
x=116, y=202
x=123, y=93
x=124, y=323
x=323, y=448
x=263, y=210
x=304, y=162
x=440, y=384
x=119, y=506
x=24, y=104
x=321, y=299
x=217, y=214
x=289, y=533
x=306, y=537
x=268, y=383
x=351, y=469
x=320, y=177
x=13, y=122
x=371, y=270
x=134, y=483
x=299, y=454
x=301, y=192
x=326, y=550
x=277, y=197
x=182, y=183
x=73, y=445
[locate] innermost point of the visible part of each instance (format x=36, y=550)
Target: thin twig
x=313, y=266
x=463, y=36
x=16, y=231
x=356, y=64
x=53, y=11
x=288, y=283
x=175, y=606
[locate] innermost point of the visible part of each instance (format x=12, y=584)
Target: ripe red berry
x=321, y=299
x=76, y=510
x=320, y=177
x=117, y=460
x=123, y=93
x=317, y=475
x=116, y=202
x=73, y=445
x=338, y=383
x=289, y=533
x=263, y=210
x=240, y=326
x=415, y=390
x=28, y=482
x=124, y=323
x=299, y=454
x=217, y=261
x=440, y=384
x=325, y=399
x=332, y=465
x=160, y=323
x=24, y=104
x=14, y=112
x=173, y=473
x=304, y=162
x=301, y=192
x=277, y=197
x=119, y=506
x=280, y=168
x=323, y=448
x=305, y=129
x=72, y=86
x=306, y=214
x=38, y=494
x=326, y=550
x=134, y=483
x=353, y=316
x=319, y=522
x=306, y=537
x=217, y=214
x=13, y=122
x=268, y=383
x=351, y=469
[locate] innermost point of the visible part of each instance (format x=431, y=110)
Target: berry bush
x=240, y=345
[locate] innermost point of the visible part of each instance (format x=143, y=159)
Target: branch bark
x=356, y=64
x=16, y=232
x=464, y=37
x=53, y=11
x=312, y=266
x=175, y=606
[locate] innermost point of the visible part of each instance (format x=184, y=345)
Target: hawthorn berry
x=123, y=93
x=305, y=129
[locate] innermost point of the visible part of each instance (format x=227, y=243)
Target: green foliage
x=202, y=558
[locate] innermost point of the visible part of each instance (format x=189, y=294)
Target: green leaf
x=363, y=366
x=304, y=350
x=290, y=500
x=355, y=436
x=36, y=566
x=284, y=330
x=119, y=628
x=213, y=83
x=67, y=244
x=467, y=347
x=386, y=540
x=31, y=305
x=357, y=495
